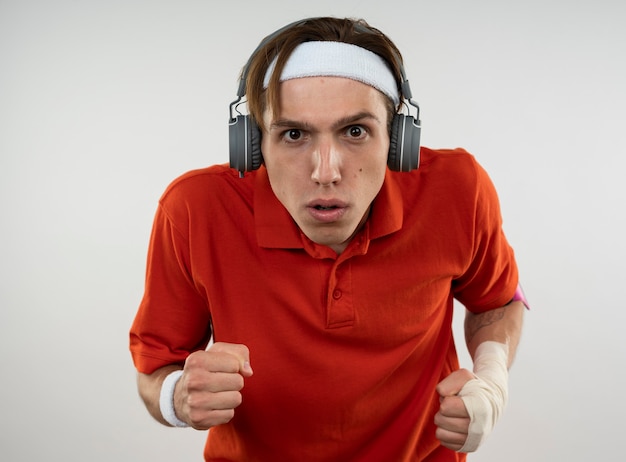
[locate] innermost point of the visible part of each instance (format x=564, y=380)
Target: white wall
x=103, y=103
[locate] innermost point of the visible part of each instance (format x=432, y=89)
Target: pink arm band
x=519, y=296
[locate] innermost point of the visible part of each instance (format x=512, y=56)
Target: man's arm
x=149, y=386
x=471, y=402
x=503, y=325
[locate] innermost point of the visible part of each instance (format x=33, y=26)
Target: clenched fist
x=210, y=388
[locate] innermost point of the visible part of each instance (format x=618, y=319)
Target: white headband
x=338, y=59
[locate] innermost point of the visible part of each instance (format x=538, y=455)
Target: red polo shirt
x=347, y=350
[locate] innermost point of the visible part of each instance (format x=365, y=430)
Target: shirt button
x=337, y=294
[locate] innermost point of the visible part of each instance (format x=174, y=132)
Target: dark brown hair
x=355, y=32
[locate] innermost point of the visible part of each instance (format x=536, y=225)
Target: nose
x=326, y=165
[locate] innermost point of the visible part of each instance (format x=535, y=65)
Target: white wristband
x=485, y=397
x=166, y=399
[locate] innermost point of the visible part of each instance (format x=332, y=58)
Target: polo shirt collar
x=276, y=229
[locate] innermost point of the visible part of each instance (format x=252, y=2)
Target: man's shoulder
x=430, y=156
x=202, y=183
x=198, y=178
x=441, y=165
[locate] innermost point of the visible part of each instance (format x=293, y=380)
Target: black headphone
x=245, y=136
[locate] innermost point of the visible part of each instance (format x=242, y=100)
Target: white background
x=103, y=103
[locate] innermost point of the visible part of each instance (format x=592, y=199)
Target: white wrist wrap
x=485, y=396
x=166, y=399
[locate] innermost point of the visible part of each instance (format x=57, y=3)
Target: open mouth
x=327, y=211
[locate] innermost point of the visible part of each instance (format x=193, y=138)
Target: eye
x=355, y=131
x=292, y=135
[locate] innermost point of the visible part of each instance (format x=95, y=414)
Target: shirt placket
x=339, y=300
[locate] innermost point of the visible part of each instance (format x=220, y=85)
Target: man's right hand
x=210, y=388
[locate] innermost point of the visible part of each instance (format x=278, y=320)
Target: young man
x=329, y=264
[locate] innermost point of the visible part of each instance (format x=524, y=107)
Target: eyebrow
x=351, y=119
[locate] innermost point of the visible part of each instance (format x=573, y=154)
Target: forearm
x=149, y=386
x=503, y=325
x=492, y=338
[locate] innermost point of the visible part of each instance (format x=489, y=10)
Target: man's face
x=326, y=154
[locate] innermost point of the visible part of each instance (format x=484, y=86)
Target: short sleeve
x=173, y=318
x=491, y=276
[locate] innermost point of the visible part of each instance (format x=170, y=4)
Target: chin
x=329, y=235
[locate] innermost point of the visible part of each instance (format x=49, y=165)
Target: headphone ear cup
x=256, y=157
x=393, y=143
x=245, y=144
x=404, y=144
